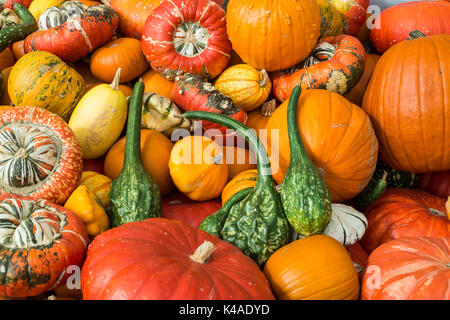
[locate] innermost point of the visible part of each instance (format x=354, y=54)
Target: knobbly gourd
x=256, y=224
x=304, y=193
x=134, y=195
x=15, y=33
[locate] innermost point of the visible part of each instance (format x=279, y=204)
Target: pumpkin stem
x=265, y=80
x=203, y=252
x=416, y=34
x=105, y=2
x=115, y=83
x=268, y=108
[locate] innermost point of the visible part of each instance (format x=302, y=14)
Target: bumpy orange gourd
x=313, y=268
x=122, y=53
x=99, y=184
x=155, y=153
x=247, y=87
x=337, y=136
x=197, y=168
x=156, y=83
x=273, y=35
x=407, y=100
x=244, y=180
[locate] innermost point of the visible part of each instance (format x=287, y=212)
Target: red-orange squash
x=407, y=100
x=166, y=259
x=41, y=156
x=6, y=59
x=404, y=213
x=409, y=269
x=337, y=135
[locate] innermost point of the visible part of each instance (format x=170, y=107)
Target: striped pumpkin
x=39, y=155
x=244, y=180
x=39, y=241
x=98, y=184
x=41, y=79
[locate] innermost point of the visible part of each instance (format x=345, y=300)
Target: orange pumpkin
x=313, y=268
x=5, y=100
x=156, y=83
x=262, y=32
x=197, y=168
x=6, y=59
x=99, y=184
x=258, y=118
x=244, y=180
x=18, y=49
x=122, y=53
x=337, y=136
x=238, y=160
x=407, y=100
x=356, y=95
x=155, y=153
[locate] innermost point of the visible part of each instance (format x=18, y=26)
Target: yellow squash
x=99, y=118
x=99, y=184
x=37, y=7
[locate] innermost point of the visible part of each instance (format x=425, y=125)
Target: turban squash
x=40, y=156
x=335, y=64
x=182, y=36
x=39, y=241
x=166, y=259
x=407, y=100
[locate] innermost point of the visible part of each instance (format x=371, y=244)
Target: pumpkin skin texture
x=18, y=49
x=182, y=36
x=437, y=183
x=244, y=180
x=402, y=213
x=335, y=64
x=33, y=262
x=270, y=26
x=410, y=114
x=31, y=83
x=338, y=138
x=247, y=87
x=314, y=268
x=155, y=154
x=124, y=53
x=48, y=165
x=408, y=269
x=99, y=184
x=227, y=274
x=179, y=207
x=396, y=22
x=156, y=83
x=6, y=59
x=197, y=168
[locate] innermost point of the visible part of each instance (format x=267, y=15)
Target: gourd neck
x=298, y=152
x=133, y=137
x=115, y=83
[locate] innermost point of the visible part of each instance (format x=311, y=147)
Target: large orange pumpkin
x=155, y=153
x=407, y=100
x=313, y=268
x=273, y=35
x=409, y=269
x=338, y=138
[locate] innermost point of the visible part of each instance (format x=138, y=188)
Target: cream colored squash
x=98, y=119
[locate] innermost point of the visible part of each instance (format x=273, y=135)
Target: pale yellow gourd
x=98, y=119
x=37, y=7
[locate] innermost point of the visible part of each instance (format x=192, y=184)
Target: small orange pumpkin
x=18, y=49
x=156, y=83
x=197, y=168
x=313, y=268
x=258, y=118
x=122, y=53
x=99, y=184
x=6, y=59
x=155, y=153
x=244, y=180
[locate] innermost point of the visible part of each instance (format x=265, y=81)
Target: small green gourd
x=18, y=32
x=134, y=194
x=256, y=223
x=304, y=193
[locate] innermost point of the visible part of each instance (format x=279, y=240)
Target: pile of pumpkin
x=212, y=149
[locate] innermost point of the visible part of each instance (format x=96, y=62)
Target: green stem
x=295, y=142
x=133, y=139
x=415, y=35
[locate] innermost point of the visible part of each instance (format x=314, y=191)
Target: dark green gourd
x=255, y=223
x=384, y=177
x=18, y=32
x=304, y=193
x=134, y=194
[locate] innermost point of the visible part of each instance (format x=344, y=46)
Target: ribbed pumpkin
x=407, y=100
x=247, y=87
x=356, y=95
x=99, y=118
x=155, y=153
x=197, y=168
x=124, y=53
x=238, y=159
x=41, y=79
x=314, y=268
x=396, y=22
x=437, y=183
x=243, y=180
x=6, y=59
x=338, y=138
x=40, y=155
x=156, y=83
x=262, y=32
x=99, y=184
